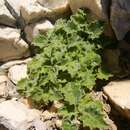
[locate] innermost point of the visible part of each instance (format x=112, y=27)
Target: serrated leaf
x=68, y=126
x=72, y=93
x=92, y=116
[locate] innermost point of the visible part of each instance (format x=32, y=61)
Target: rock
x=33, y=30
x=31, y=11
x=39, y=125
x=98, y=7
x=11, y=46
x=16, y=116
x=17, y=72
x=9, y=64
x=7, y=88
x=111, y=60
x=14, y=6
x=5, y=16
x=46, y=115
x=57, y=6
x=120, y=17
x=119, y=95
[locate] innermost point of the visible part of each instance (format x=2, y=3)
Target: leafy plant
x=66, y=70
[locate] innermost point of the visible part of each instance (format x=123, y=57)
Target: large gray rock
x=120, y=17
x=11, y=45
x=119, y=95
x=16, y=116
x=98, y=7
x=5, y=16
x=34, y=30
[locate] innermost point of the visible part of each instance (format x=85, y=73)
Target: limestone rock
x=33, y=30
x=98, y=7
x=9, y=64
x=31, y=11
x=14, y=6
x=119, y=94
x=120, y=17
x=7, y=88
x=11, y=46
x=17, y=72
x=5, y=16
x=58, y=6
x=16, y=116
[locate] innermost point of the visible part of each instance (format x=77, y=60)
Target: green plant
x=66, y=70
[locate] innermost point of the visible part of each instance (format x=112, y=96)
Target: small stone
x=34, y=30
x=59, y=123
x=46, y=115
x=17, y=72
x=119, y=94
x=7, y=88
x=55, y=106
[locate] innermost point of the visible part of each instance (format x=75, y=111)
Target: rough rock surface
x=98, y=7
x=33, y=30
x=59, y=6
x=119, y=94
x=11, y=45
x=31, y=11
x=17, y=72
x=5, y=16
x=16, y=116
x=14, y=6
x=7, y=88
x=120, y=17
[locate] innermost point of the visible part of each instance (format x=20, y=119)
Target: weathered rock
x=14, y=6
x=5, y=16
x=39, y=125
x=9, y=64
x=120, y=17
x=17, y=72
x=34, y=29
x=31, y=11
x=58, y=6
x=11, y=46
x=98, y=7
x=119, y=94
x=7, y=88
x=16, y=116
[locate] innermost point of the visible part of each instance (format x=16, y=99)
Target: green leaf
x=40, y=41
x=103, y=74
x=92, y=113
x=72, y=93
x=68, y=126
